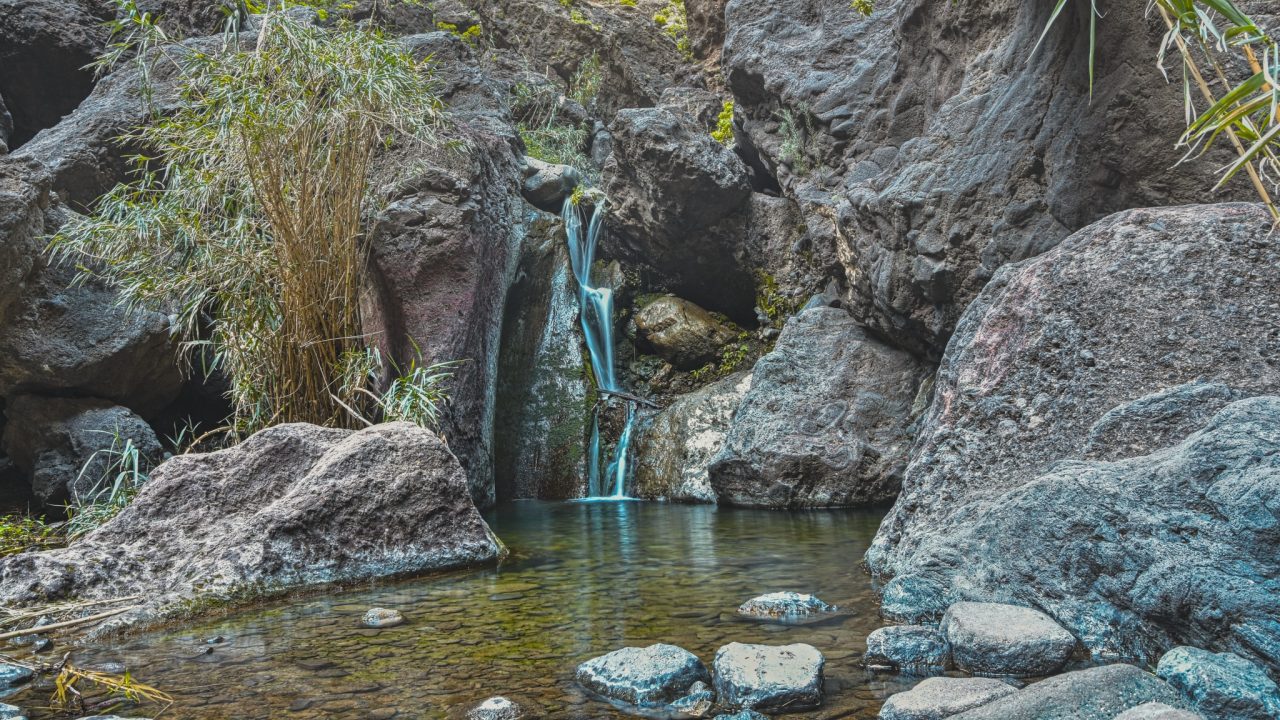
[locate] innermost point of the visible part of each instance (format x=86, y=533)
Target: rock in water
x=656, y=675
x=996, y=639
x=11, y=675
x=1222, y=686
x=697, y=703
x=1157, y=711
x=496, y=708
x=675, y=447
x=1098, y=693
x=682, y=333
x=292, y=505
x=910, y=648
x=11, y=712
x=382, y=618
x=1126, y=554
x=785, y=606
x=826, y=421
x=769, y=678
x=942, y=697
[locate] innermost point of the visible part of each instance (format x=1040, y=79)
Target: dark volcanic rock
x=6, y=127
x=932, y=146
x=1099, y=693
x=24, y=199
x=60, y=443
x=293, y=505
x=681, y=332
x=1222, y=686
x=826, y=422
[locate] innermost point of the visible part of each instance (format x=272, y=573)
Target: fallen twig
x=42, y=629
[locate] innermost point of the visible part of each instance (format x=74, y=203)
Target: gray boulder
x=1157, y=711
x=910, y=648
x=1222, y=686
x=11, y=712
x=24, y=199
x=996, y=640
x=827, y=421
x=546, y=186
x=68, y=446
x=1099, y=693
x=13, y=675
x=676, y=446
x=652, y=676
x=1163, y=544
x=291, y=506
x=941, y=697
x=785, y=606
x=769, y=678
x=682, y=333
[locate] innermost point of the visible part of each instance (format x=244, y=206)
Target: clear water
x=583, y=579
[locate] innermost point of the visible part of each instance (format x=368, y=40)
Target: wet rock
x=290, y=506
x=650, y=676
x=11, y=712
x=1222, y=686
x=546, y=185
x=785, y=606
x=1157, y=711
x=743, y=715
x=941, y=697
x=1000, y=477
x=12, y=675
x=64, y=445
x=496, y=708
x=382, y=618
x=675, y=447
x=697, y=703
x=997, y=639
x=769, y=678
x=911, y=648
x=670, y=187
x=682, y=333
x=827, y=421
x=1098, y=693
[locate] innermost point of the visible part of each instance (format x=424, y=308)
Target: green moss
x=470, y=35
x=723, y=131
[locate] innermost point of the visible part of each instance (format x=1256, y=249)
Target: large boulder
x=651, y=676
x=769, y=678
x=1161, y=545
x=24, y=199
x=675, y=446
x=1157, y=711
x=930, y=145
x=827, y=421
x=292, y=505
x=1222, y=686
x=674, y=194
x=70, y=448
x=941, y=697
x=1098, y=693
x=994, y=639
x=682, y=333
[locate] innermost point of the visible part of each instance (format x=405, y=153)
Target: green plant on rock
x=22, y=533
x=470, y=35
x=723, y=131
x=795, y=128
x=245, y=220
x=548, y=136
x=118, y=472
x=587, y=80
x=864, y=7
x=674, y=21
x=772, y=301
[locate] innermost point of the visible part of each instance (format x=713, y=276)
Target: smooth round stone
x=995, y=639
x=769, y=677
x=913, y=648
x=655, y=675
x=381, y=618
x=496, y=708
x=941, y=697
x=784, y=606
x=1157, y=711
x=1222, y=686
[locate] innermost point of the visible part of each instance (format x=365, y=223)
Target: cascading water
x=596, y=312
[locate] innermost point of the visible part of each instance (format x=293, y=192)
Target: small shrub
x=771, y=301
x=546, y=135
x=723, y=131
x=470, y=36
x=586, y=82
x=795, y=129
x=674, y=21
x=863, y=6
x=627, y=3
x=121, y=472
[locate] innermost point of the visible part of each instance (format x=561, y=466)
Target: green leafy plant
x=723, y=131
x=1215, y=41
x=470, y=35
x=118, y=472
x=794, y=128
x=674, y=21
x=548, y=136
x=22, y=533
x=587, y=80
x=865, y=7
x=772, y=301
x=245, y=219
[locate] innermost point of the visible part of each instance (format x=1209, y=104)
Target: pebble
x=381, y=618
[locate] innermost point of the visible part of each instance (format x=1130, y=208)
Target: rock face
x=1099, y=693
x=1130, y=555
x=941, y=697
x=675, y=448
x=910, y=648
x=999, y=640
x=651, y=676
x=292, y=505
x=63, y=444
x=769, y=678
x=1221, y=686
x=24, y=199
x=826, y=422
x=930, y=146
x=682, y=333
x=670, y=187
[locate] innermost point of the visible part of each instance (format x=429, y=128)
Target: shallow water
x=583, y=579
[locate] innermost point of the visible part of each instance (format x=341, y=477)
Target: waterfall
x=596, y=313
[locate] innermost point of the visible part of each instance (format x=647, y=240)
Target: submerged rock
x=290, y=506
x=827, y=421
x=681, y=332
x=997, y=639
x=1222, y=686
x=941, y=697
x=1096, y=350
x=381, y=618
x=12, y=675
x=785, y=606
x=1098, y=693
x=743, y=715
x=697, y=703
x=1157, y=711
x=769, y=678
x=675, y=447
x=11, y=712
x=910, y=648
x=496, y=708
x=651, y=676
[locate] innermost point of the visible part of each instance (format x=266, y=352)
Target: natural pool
x=582, y=579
